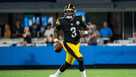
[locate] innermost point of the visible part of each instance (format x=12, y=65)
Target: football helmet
x=69, y=10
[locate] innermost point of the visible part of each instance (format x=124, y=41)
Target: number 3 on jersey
x=73, y=30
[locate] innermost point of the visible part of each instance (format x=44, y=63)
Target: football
x=58, y=47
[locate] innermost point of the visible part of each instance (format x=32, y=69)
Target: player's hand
x=58, y=46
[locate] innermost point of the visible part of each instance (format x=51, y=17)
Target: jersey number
x=73, y=30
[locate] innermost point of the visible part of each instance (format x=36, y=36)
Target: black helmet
x=69, y=8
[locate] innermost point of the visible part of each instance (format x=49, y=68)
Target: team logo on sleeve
x=77, y=22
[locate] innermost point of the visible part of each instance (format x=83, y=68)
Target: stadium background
x=41, y=60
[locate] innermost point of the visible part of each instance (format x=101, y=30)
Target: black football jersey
x=71, y=28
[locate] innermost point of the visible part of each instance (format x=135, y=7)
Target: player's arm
x=58, y=44
x=83, y=25
x=57, y=28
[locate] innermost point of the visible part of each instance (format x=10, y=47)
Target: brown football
x=58, y=47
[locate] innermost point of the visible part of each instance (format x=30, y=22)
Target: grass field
x=70, y=73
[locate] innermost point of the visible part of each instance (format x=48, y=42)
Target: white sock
x=83, y=74
x=58, y=72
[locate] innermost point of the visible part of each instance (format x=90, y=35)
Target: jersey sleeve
x=58, y=24
x=57, y=28
x=82, y=22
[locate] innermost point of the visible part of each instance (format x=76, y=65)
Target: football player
x=71, y=26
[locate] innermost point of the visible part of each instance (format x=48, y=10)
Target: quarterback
x=71, y=26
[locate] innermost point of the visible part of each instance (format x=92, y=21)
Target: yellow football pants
x=72, y=52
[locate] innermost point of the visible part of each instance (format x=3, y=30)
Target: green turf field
x=70, y=73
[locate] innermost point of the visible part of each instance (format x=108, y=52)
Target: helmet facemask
x=69, y=11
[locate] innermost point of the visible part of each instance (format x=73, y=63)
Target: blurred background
x=27, y=36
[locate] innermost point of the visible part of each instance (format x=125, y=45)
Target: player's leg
x=74, y=50
x=61, y=69
x=68, y=62
x=81, y=67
